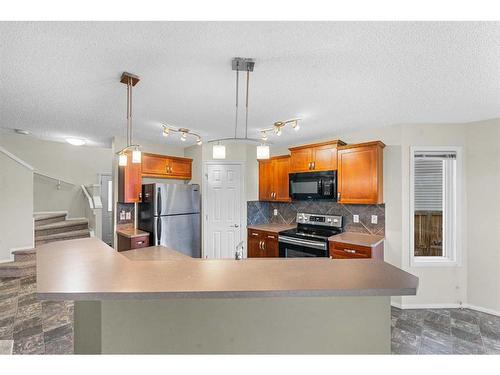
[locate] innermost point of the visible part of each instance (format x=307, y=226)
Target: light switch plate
x=128, y=216
x=374, y=219
x=275, y=212
x=355, y=218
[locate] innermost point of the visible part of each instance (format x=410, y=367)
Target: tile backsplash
x=263, y=213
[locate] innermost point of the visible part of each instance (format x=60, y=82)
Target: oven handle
x=293, y=241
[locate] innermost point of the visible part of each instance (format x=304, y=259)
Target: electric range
x=310, y=238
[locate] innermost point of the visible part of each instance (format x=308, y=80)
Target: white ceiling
x=61, y=79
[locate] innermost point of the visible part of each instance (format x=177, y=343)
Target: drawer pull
x=272, y=237
x=350, y=251
x=255, y=234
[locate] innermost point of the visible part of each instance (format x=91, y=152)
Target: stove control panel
x=323, y=220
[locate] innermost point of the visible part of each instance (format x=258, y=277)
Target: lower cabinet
x=342, y=250
x=262, y=244
x=127, y=243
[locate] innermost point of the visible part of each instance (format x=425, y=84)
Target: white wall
x=78, y=165
x=16, y=207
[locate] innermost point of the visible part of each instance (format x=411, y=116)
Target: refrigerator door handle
x=158, y=202
x=158, y=231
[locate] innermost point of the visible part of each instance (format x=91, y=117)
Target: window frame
x=451, y=254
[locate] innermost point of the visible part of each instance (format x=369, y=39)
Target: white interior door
x=223, y=200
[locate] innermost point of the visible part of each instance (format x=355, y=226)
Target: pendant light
x=218, y=149
x=130, y=80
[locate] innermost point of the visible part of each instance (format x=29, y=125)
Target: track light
x=296, y=126
x=199, y=142
x=278, y=131
x=183, y=137
x=166, y=132
x=264, y=136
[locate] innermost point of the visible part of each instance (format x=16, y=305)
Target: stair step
x=69, y=225
x=24, y=255
x=17, y=269
x=62, y=236
x=49, y=217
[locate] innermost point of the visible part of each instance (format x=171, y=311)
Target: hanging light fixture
x=167, y=130
x=130, y=80
x=219, y=150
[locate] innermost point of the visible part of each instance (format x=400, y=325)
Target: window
x=433, y=205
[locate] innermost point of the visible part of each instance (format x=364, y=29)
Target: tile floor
x=46, y=327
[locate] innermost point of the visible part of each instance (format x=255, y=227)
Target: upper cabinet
x=162, y=166
x=129, y=181
x=273, y=179
x=360, y=173
x=314, y=157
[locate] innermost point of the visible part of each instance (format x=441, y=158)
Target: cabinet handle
x=338, y=196
x=314, y=165
x=309, y=165
x=140, y=242
x=350, y=251
x=140, y=195
x=271, y=237
x=255, y=234
x=263, y=245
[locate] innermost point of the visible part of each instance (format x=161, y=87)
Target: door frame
x=243, y=208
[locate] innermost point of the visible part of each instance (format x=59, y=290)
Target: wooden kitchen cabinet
x=314, y=157
x=342, y=250
x=273, y=179
x=129, y=181
x=262, y=244
x=360, y=173
x=130, y=243
x=163, y=166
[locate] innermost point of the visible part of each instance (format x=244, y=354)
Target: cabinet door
x=325, y=158
x=271, y=245
x=180, y=168
x=360, y=175
x=265, y=180
x=280, y=179
x=129, y=181
x=154, y=165
x=254, y=243
x=300, y=160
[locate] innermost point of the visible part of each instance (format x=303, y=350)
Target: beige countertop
x=88, y=269
x=360, y=239
x=131, y=232
x=275, y=228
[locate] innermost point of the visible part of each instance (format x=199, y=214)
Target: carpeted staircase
x=49, y=227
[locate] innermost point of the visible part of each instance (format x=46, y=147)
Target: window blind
x=429, y=172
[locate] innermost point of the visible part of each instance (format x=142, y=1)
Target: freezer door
x=179, y=232
x=176, y=199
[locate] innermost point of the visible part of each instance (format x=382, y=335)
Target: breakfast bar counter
x=156, y=300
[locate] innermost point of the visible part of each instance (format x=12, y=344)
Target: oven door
x=291, y=247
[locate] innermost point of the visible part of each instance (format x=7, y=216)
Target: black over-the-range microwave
x=313, y=185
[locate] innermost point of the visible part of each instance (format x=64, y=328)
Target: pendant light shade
x=262, y=152
x=219, y=151
x=136, y=156
x=122, y=160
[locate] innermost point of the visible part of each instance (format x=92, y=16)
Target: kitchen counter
x=88, y=269
x=360, y=239
x=124, y=302
x=131, y=232
x=274, y=228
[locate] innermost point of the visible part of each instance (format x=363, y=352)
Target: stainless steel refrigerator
x=171, y=213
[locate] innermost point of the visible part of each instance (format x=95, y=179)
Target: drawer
x=139, y=242
x=345, y=250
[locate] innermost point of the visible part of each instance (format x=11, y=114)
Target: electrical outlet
x=355, y=218
x=374, y=219
x=275, y=212
x=122, y=215
x=128, y=216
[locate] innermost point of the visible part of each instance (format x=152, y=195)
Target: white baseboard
x=407, y=306
x=49, y=212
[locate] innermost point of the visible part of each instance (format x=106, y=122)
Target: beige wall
x=16, y=207
x=78, y=165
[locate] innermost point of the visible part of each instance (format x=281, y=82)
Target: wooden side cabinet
x=314, y=157
x=262, y=244
x=129, y=181
x=342, y=250
x=273, y=179
x=360, y=173
x=130, y=243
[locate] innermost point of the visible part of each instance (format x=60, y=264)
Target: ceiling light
x=262, y=152
x=136, y=155
x=219, y=151
x=22, y=131
x=278, y=131
x=278, y=126
x=122, y=160
x=199, y=142
x=76, y=141
x=264, y=136
x=183, y=137
x=296, y=126
x=166, y=132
